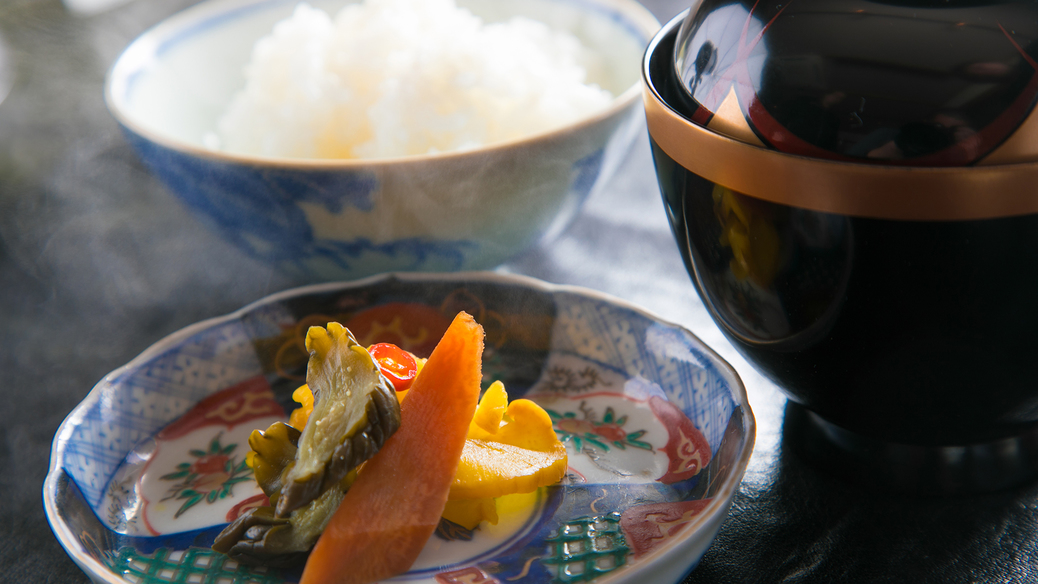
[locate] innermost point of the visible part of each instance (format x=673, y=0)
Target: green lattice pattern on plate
x=190, y=566
x=586, y=548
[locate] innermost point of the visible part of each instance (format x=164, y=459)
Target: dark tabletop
x=98, y=261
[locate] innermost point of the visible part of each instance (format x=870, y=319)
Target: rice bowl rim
x=635, y=16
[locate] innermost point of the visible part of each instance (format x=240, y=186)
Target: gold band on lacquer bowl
x=858, y=190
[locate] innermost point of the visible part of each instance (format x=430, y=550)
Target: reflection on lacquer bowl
x=339, y=219
x=876, y=260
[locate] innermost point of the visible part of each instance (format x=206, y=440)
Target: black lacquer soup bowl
x=854, y=191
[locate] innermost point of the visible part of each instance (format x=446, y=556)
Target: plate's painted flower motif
x=211, y=476
x=599, y=434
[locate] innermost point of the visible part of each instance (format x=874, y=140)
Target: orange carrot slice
x=394, y=506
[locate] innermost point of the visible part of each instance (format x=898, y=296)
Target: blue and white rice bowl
x=340, y=219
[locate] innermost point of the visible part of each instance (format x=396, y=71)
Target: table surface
x=93, y=270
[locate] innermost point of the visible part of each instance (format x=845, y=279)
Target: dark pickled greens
x=273, y=454
x=355, y=411
x=306, y=473
x=259, y=537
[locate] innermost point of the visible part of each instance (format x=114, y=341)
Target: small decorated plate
x=151, y=466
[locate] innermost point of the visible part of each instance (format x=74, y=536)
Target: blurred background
x=98, y=261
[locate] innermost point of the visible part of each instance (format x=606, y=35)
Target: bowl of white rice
x=335, y=139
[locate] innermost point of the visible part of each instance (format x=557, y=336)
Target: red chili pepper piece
x=397, y=364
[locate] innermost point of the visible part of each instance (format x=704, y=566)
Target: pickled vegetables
x=356, y=411
x=305, y=398
x=395, y=504
x=509, y=450
x=261, y=537
x=442, y=455
x=399, y=366
x=305, y=473
x=272, y=454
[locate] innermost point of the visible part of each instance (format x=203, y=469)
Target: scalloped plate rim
x=665, y=552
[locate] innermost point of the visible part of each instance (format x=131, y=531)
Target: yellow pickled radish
x=495, y=469
x=522, y=455
x=305, y=398
x=468, y=513
x=490, y=410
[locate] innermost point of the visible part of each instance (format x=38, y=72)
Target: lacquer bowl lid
x=907, y=82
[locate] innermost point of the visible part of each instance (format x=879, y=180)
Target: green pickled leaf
x=275, y=452
x=355, y=411
x=306, y=473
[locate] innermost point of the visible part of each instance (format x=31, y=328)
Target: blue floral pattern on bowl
x=321, y=220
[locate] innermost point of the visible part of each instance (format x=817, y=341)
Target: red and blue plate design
x=150, y=467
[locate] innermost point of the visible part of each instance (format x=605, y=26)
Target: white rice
x=392, y=78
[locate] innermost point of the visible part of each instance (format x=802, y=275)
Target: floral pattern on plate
x=628, y=431
x=192, y=474
x=657, y=428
